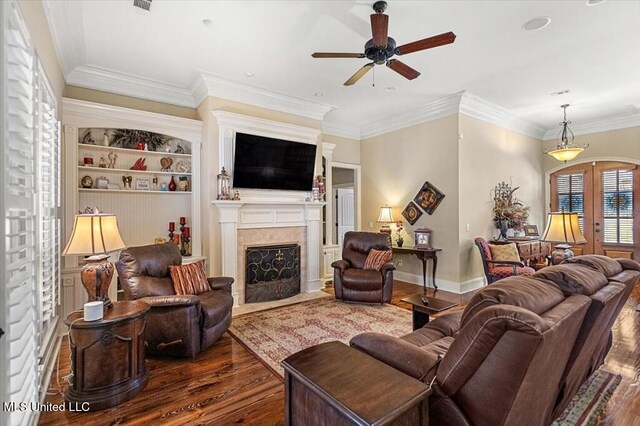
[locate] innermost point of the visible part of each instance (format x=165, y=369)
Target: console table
x=334, y=384
x=423, y=255
x=108, y=360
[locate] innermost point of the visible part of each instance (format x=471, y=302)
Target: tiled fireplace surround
x=254, y=223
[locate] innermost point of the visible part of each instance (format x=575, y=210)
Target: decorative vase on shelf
x=172, y=184
x=400, y=241
x=504, y=228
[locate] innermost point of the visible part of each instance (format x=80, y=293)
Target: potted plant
x=399, y=229
x=508, y=210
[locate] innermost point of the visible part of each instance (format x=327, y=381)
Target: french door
x=606, y=196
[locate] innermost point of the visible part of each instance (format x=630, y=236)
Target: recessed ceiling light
x=248, y=74
x=207, y=23
x=318, y=94
x=536, y=23
x=594, y=2
x=560, y=92
x=390, y=89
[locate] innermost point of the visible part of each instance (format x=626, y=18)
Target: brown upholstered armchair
x=353, y=283
x=498, y=269
x=176, y=325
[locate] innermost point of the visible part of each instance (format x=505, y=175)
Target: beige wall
x=38, y=27
x=346, y=150
x=621, y=144
x=106, y=98
x=490, y=154
x=342, y=176
x=396, y=165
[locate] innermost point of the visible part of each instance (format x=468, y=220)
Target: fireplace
x=272, y=272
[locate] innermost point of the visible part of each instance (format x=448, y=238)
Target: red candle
x=172, y=226
x=187, y=232
x=183, y=220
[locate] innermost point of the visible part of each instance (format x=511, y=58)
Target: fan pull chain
x=374, y=76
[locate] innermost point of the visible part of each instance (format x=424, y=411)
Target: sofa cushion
x=376, y=259
x=525, y=292
x=627, y=277
x=362, y=279
x=573, y=279
x=603, y=264
x=505, y=252
x=215, y=305
x=629, y=264
x=190, y=278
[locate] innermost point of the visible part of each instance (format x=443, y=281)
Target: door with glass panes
x=606, y=196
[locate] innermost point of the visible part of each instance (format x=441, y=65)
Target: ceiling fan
x=381, y=48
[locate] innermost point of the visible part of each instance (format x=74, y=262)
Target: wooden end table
x=424, y=255
x=108, y=359
x=334, y=384
x=421, y=311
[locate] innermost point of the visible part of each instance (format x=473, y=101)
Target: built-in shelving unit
x=143, y=214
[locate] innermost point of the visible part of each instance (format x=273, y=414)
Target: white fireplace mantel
x=234, y=215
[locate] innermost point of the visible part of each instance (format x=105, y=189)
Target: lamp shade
x=94, y=234
x=386, y=215
x=563, y=227
x=565, y=154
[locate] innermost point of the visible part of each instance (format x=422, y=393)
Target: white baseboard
x=452, y=286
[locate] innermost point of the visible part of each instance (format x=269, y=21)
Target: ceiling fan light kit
x=381, y=48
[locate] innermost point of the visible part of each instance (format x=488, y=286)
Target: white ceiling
x=592, y=50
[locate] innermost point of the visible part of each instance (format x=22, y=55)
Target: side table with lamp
x=107, y=339
x=562, y=228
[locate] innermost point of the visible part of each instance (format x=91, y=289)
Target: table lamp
x=562, y=228
x=94, y=235
x=385, y=218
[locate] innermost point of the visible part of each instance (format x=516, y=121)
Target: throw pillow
x=190, y=278
x=505, y=252
x=376, y=259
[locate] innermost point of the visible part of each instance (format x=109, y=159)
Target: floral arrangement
x=508, y=209
x=126, y=138
x=398, y=231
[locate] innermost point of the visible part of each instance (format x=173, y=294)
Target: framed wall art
x=412, y=213
x=428, y=198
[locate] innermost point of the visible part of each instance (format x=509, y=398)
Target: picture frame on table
x=428, y=198
x=531, y=231
x=422, y=237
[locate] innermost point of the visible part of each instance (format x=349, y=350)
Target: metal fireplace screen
x=273, y=272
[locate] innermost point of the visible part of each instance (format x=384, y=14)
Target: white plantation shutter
x=570, y=195
x=617, y=206
x=18, y=345
x=29, y=265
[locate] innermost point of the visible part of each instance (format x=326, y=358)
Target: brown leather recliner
x=353, y=283
x=608, y=283
x=499, y=362
x=176, y=325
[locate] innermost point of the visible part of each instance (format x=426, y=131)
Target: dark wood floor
x=227, y=385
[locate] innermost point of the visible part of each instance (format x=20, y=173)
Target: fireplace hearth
x=272, y=272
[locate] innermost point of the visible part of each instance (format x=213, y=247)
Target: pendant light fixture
x=566, y=150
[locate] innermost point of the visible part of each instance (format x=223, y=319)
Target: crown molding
x=603, y=125
x=433, y=110
x=227, y=89
x=271, y=128
x=476, y=107
x=341, y=130
x=98, y=78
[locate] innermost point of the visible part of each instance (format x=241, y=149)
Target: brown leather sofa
x=176, y=325
x=353, y=283
x=521, y=348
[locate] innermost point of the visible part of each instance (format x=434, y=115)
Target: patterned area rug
x=587, y=406
x=275, y=334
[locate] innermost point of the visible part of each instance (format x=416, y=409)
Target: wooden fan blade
x=427, y=43
x=358, y=75
x=379, y=28
x=337, y=55
x=403, y=69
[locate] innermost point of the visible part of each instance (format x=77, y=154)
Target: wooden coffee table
x=421, y=311
x=334, y=384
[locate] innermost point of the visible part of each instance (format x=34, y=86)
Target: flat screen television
x=266, y=163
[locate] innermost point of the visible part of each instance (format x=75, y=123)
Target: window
x=617, y=206
x=570, y=193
